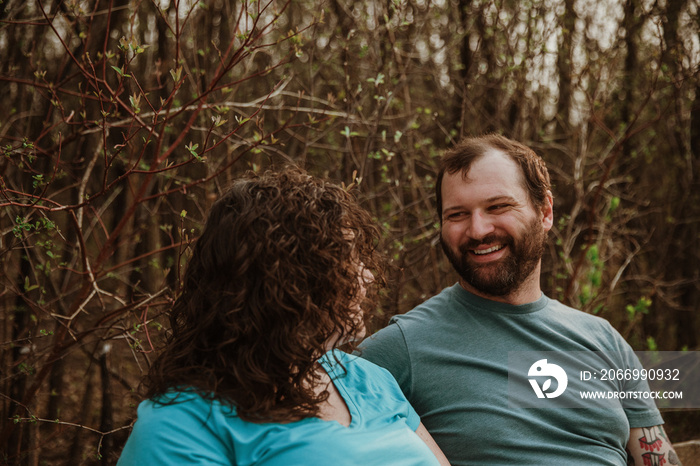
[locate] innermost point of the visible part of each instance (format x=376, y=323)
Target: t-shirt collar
x=487, y=305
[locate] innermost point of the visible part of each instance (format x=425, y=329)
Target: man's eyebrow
x=490, y=200
x=455, y=207
x=503, y=197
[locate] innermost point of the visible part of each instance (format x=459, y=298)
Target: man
x=450, y=354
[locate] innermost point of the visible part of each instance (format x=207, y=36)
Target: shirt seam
x=410, y=360
x=464, y=298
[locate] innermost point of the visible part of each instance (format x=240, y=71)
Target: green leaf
x=614, y=203
x=347, y=133
x=120, y=72
x=28, y=287
x=176, y=74
x=135, y=102
x=192, y=149
x=651, y=343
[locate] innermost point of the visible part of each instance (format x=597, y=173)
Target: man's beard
x=505, y=276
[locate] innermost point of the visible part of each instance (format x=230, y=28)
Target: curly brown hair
x=271, y=284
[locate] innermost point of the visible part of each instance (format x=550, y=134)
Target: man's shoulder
x=357, y=373
x=582, y=322
x=576, y=314
x=389, y=347
x=340, y=364
x=429, y=310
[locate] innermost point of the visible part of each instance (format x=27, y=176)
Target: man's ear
x=548, y=212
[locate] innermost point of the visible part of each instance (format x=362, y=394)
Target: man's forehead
x=495, y=176
x=492, y=158
x=494, y=167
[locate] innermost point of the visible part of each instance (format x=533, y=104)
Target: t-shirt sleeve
x=641, y=412
x=380, y=383
x=644, y=413
x=174, y=434
x=413, y=419
x=387, y=348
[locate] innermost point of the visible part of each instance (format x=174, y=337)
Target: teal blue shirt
x=450, y=356
x=198, y=431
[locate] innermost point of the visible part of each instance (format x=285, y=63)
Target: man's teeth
x=480, y=252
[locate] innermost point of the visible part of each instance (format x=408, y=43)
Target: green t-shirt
x=450, y=356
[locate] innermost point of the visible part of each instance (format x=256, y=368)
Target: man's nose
x=480, y=225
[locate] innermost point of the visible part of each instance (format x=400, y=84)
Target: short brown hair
x=272, y=278
x=462, y=155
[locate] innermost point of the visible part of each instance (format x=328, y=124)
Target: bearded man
x=450, y=354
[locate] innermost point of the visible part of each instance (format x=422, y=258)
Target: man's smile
x=481, y=252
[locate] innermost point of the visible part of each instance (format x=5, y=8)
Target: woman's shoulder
x=178, y=426
x=360, y=376
x=180, y=408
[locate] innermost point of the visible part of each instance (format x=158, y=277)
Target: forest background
x=122, y=120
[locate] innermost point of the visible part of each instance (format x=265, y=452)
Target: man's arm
x=387, y=348
x=428, y=439
x=650, y=445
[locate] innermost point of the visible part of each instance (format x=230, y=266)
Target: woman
x=251, y=372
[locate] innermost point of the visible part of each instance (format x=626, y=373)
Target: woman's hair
x=272, y=280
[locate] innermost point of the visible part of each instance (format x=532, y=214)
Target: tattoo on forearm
x=654, y=459
x=651, y=440
x=654, y=452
